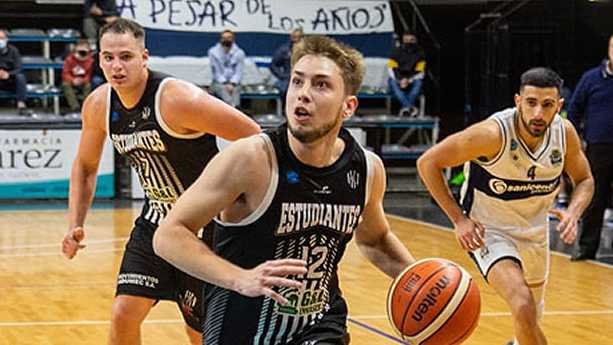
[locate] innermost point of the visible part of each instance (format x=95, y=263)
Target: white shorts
x=529, y=247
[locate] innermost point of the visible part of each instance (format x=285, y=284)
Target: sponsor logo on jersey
x=114, y=116
x=144, y=140
x=293, y=177
x=297, y=217
x=500, y=187
x=309, y=301
x=555, y=157
x=513, y=145
x=353, y=179
x=188, y=302
x=145, y=113
x=323, y=190
x=137, y=279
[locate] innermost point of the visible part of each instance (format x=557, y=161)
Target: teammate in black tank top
x=288, y=202
x=166, y=128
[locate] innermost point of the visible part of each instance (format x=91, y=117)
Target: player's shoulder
x=96, y=105
x=178, y=93
x=251, y=149
x=98, y=98
x=373, y=161
x=567, y=125
x=488, y=130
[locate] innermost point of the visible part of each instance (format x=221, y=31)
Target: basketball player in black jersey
x=288, y=202
x=166, y=128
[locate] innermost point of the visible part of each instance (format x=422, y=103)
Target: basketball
x=434, y=302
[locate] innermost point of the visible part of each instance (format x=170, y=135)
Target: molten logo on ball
x=434, y=302
x=431, y=298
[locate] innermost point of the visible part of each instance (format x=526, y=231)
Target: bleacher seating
x=43, y=62
x=257, y=80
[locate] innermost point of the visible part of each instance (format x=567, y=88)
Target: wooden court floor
x=45, y=299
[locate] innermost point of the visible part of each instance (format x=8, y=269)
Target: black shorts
x=144, y=274
x=330, y=330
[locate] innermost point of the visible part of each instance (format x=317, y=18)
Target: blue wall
x=166, y=43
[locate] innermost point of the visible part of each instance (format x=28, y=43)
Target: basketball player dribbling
x=513, y=163
x=166, y=128
x=288, y=202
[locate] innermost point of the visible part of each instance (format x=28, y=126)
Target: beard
x=309, y=135
x=537, y=133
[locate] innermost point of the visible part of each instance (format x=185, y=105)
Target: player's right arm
x=84, y=169
x=480, y=141
x=238, y=174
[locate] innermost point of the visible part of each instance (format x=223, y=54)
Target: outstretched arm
x=578, y=168
x=482, y=140
x=374, y=237
x=84, y=169
x=231, y=174
x=187, y=109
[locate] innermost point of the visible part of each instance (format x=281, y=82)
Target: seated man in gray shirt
x=227, y=60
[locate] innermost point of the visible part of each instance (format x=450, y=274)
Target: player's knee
x=123, y=314
x=525, y=311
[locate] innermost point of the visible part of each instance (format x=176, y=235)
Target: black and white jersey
x=166, y=162
x=307, y=213
x=518, y=186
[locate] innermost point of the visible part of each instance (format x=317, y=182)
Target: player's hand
x=260, y=280
x=72, y=242
x=469, y=234
x=567, y=226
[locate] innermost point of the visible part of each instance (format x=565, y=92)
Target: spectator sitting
x=97, y=13
x=407, y=66
x=227, y=60
x=11, y=76
x=281, y=62
x=77, y=75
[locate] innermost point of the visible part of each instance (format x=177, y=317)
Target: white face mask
x=3, y=43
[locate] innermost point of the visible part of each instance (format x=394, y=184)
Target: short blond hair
x=348, y=59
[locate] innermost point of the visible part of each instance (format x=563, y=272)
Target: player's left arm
x=374, y=236
x=188, y=109
x=578, y=169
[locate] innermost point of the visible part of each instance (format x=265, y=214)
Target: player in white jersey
x=513, y=164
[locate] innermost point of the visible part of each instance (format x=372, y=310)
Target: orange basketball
x=434, y=302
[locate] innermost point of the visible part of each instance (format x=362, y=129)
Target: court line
x=112, y=283
x=51, y=245
x=443, y=228
x=58, y=253
x=505, y=313
x=355, y=319
x=375, y=330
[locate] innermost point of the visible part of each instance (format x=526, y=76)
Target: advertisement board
x=36, y=163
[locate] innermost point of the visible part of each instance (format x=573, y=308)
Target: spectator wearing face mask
x=11, y=76
x=227, y=60
x=77, y=75
x=407, y=66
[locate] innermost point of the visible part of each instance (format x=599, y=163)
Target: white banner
x=272, y=16
x=39, y=161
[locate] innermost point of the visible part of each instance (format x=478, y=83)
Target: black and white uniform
x=511, y=195
x=307, y=213
x=167, y=163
